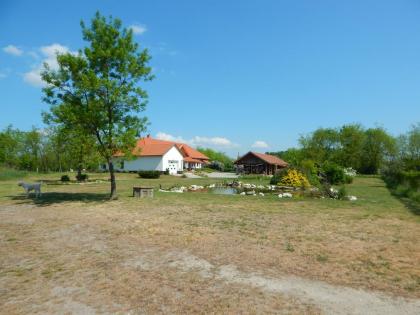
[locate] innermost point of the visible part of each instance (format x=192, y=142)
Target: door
x=172, y=167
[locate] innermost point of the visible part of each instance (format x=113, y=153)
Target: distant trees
x=44, y=151
x=365, y=150
x=219, y=160
x=402, y=172
x=96, y=93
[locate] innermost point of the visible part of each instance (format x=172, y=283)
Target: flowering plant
x=294, y=178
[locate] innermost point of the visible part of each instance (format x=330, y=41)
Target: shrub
x=216, y=165
x=82, y=177
x=334, y=174
x=65, y=178
x=294, y=178
x=166, y=172
x=348, y=179
x=278, y=176
x=149, y=174
x=414, y=195
x=342, y=193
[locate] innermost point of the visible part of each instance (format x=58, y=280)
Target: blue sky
x=236, y=75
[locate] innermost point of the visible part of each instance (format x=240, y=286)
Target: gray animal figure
x=28, y=187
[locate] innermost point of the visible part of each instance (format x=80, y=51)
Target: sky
x=235, y=75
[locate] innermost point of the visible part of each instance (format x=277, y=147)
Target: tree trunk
x=113, y=194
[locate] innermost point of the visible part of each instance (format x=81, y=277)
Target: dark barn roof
x=269, y=159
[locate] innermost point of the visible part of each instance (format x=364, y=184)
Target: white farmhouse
x=159, y=155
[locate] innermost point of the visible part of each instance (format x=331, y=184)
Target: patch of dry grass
x=73, y=255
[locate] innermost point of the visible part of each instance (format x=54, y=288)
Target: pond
x=223, y=191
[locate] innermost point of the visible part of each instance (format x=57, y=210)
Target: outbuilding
x=259, y=163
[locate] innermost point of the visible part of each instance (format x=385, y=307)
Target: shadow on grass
x=51, y=198
x=411, y=205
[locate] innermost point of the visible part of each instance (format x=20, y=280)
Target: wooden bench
x=142, y=192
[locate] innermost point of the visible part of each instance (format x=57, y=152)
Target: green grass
x=9, y=173
x=374, y=199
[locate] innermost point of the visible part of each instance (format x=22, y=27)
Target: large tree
x=97, y=92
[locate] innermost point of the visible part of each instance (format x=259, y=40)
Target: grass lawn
x=73, y=251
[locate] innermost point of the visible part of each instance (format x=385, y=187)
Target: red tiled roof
x=190, y=152
x=148, y=146
x=270, y=159
x=151, y=147
x=191, y=160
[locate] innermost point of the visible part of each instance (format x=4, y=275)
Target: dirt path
x=329, y=298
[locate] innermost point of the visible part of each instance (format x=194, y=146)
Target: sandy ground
x=128, y=258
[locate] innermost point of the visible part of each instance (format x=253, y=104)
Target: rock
x=251, y=192
x=261, y=194
x=352, y=198
x=285, y=195
x=243, y=193
x=212, y=185
x=195, y=187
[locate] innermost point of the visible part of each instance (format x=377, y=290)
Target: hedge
x=149, y=174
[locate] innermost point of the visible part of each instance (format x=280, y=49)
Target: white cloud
x=168, y=137
x=49, y=54
x=199, y=141
x=260, y=144
x=214, y=141
x=138, y=29
x=13, y=50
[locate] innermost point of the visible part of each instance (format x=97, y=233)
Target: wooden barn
x=259, y=163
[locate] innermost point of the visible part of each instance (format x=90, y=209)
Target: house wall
x=171, y=160
x=144, y=163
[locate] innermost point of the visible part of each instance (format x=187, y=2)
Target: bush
x=342, y=193
x=166, y=172
x=348, y=179
x=65, y=178
x=333, y=173
x=278, y=176
x=82, y=177
x=149, y=174
x=294, y=178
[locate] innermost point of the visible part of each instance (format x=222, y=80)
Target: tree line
x=46, y=150
x=366, y=150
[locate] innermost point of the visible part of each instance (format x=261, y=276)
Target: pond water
x=223, y=191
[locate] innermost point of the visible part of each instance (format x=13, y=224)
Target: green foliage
x=365, y=150
x=321, y=145
x=342, y=192
x=7, y=173
x=377, y=148
x=82, y=177
x=333, y=173
x=348, y=179
x=96, y=92
x=219, y=160
x=276, y=178
x=65, y=178
x=149, y=174
x=292, y=156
